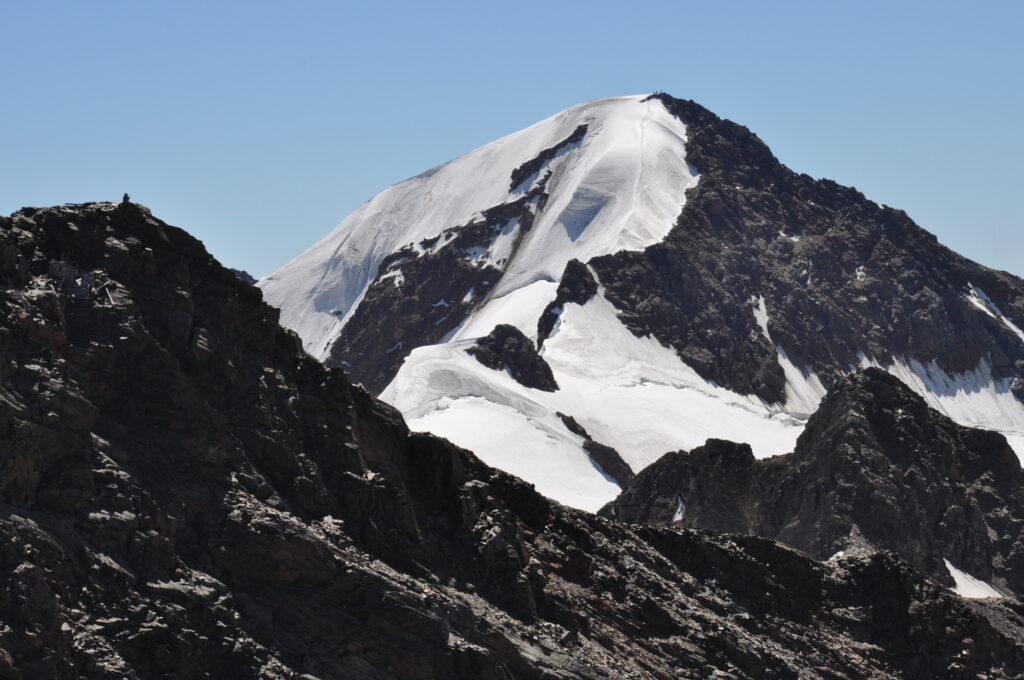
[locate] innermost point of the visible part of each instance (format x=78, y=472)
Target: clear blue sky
x=259, y=125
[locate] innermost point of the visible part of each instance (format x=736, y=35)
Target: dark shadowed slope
x=184, y=493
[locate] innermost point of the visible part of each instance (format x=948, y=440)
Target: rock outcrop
x=604, y=456
x=875, y=469
x=244, y=275
x=184, y=493
x=506, y=348
x=576, y=285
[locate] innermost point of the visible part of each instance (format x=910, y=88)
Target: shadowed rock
x=184, y=493
x=506, y=349
x=604, y=456
x=875, y=469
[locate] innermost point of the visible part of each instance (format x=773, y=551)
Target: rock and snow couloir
x=724, y=294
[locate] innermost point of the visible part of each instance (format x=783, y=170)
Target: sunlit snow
x=977, y=297
x=630, y=393
x=622, y=189
x=968, y=586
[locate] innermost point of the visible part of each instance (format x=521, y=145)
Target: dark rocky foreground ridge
x=185, y=494
x=874, y=469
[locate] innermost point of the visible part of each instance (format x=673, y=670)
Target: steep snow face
x=620, y=187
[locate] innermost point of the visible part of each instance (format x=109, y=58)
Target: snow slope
x=973, y=398
x=630, y=393
x=620, y=188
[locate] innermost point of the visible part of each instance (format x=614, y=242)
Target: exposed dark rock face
x=605, y=457
x=423, y=293
x=185, y=494
x=875, y=468
x=576, y=285
x=533, y=166
x=710, y=486
x=506, y=349
x=244, y=276
x=840, y=275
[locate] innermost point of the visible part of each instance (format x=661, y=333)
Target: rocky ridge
x=875, y=469
x=184, y=493
x=841, y=277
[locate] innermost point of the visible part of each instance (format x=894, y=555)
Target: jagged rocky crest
x=186, y=494
x=875, y=469
x=245, y=276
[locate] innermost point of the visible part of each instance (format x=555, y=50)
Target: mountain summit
x=676, y=279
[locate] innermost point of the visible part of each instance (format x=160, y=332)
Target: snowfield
x=630, y=393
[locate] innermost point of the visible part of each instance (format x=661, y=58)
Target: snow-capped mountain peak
x=670, y=279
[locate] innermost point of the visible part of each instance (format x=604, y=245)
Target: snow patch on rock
x=976, y=296
x=968, y=586
x=804, y=390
